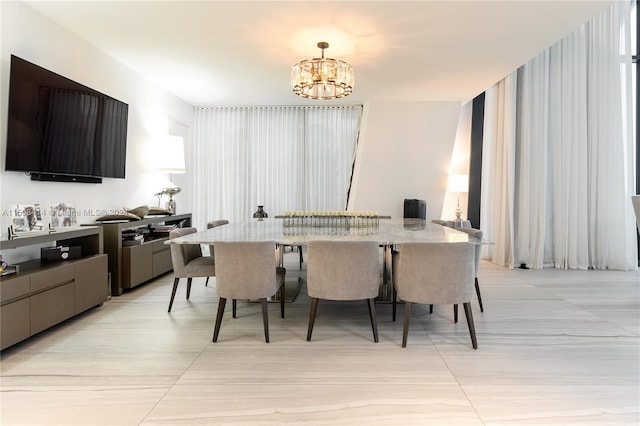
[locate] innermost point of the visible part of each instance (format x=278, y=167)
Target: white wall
x=31, y=36
x=404, y=151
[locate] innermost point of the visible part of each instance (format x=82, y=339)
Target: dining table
x=389, y=233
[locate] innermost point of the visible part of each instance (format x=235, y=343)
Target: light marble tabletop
x=389, y=232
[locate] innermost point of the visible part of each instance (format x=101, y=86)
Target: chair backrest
x=435, y=273
x=246, y=270
x=343, y=270
x=635, y=200
x=181, y=254
x=216, y=223
x=475, y=233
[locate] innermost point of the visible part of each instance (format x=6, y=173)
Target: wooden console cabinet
x=41, y=294
x=133, y=265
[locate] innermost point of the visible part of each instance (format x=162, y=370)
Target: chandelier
x=322, y=78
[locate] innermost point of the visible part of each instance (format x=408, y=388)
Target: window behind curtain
x=284, y=158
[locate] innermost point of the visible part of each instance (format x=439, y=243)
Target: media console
x=41, y=295
x=133, y=265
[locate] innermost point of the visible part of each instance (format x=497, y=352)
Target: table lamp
x=170, y=159
x=458, y=184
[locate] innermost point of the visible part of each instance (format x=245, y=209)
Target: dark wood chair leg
x=472, y=328
x=394, y=301
x=405, y=331
x=265, y=318
x=206, y=283
x=372, y=316
x=221, y=303
x=312, y=317
x=173, y=292
x=430, y=309
x=478, y=294
x=282, y=301
x=189, y=287
x=234, y=306
x=455, y=313
x=301, y=259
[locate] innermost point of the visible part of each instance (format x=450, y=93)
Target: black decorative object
x=260, y=213
x=414, y=208
x=60, y=253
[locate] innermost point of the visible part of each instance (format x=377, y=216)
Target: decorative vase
x=260, y=213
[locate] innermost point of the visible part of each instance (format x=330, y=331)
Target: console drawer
x=13, y=288
x=52, y=277
x=51, y=307
x=15, y=323
x=137, y=266
x=162, y=262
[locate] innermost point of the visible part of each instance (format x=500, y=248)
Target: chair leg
x=234, y=305
x=282, y=301
x=301, y=259
x=405, y=331
x=472, y=329
x=372, y=316
x=206, y=283
x=221, y=303
x=312, y=317
x=189, y=287
x=478, y=294
x=173, y=292
x=455, y=313
x=394, y=300
x=265, y=318
x=430, y=309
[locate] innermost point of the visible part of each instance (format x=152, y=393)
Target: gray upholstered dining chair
x=474, y=233
x=423, y=273
x=247, y=270
x=343, y=270
x=214, y=224
x=188, y=262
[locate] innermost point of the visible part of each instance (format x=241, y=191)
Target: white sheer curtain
x=330, y=142
x=498, y=169
x=284, y=158
x=557, y=160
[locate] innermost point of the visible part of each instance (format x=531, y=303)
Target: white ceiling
x=241, y=52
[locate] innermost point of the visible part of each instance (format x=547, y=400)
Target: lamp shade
x=170, y=155
x=458, y=183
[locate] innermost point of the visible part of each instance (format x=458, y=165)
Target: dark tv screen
x=58, y=127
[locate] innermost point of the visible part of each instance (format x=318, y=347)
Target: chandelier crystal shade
x=322, y=78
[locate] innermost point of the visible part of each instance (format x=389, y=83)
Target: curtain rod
x=279, y=107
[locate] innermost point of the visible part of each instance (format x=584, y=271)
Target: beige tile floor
x=555, y=348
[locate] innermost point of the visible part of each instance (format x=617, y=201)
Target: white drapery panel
x=498, y=169
x=330, y=142
x=558, y=156
x=284, y=158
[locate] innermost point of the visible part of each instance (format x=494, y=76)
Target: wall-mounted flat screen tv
x=60, y=130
